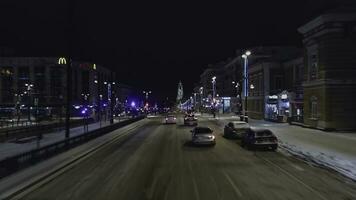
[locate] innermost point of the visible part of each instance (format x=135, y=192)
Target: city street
x=158, y=162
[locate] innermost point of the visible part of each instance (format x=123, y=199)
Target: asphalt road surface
x=158, y=162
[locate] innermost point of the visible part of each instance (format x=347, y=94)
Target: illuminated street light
x=147, y=93
x=245, y=57
x=214, y=85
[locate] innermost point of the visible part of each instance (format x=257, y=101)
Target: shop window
x=314, y=107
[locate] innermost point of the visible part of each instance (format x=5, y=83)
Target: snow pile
x=339, y=163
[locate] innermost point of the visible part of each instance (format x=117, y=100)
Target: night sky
x=152, y=45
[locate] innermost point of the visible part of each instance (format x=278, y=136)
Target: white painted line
x=236, y=189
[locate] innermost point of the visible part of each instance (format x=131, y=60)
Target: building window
x=313, y=67
x=313, y=107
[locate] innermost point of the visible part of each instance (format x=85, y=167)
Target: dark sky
x=152, y=45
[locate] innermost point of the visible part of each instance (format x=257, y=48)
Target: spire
x=180, y=91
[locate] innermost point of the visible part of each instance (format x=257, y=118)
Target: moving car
x=190, y=120
x=259, y=138
x=170, y=119
x=203, y=135
x=236, y=129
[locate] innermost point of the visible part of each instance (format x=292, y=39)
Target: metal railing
x=35, y=130
x=15, y=163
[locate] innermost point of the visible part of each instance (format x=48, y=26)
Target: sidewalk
x=8, y=149
x=335, y=150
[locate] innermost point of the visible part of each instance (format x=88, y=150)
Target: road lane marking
x=195, y=186
x=236, y=189
x=294, y=178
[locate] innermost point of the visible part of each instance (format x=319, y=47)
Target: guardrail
x=35, y=130
x=15, y=163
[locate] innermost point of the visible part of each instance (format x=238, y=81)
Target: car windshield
x=203, y=130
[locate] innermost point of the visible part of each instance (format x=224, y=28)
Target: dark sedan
x=259, y=138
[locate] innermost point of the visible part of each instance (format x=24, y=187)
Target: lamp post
x=110, y=96
x=214, y=85
x=99, y=107
x=146, y=94
x=201, y=90
x=195, y=100
x=85, y=111
x=17, y=106
x=29, y=87
x=245, y=57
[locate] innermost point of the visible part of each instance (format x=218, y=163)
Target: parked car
x=235, y=130
x=170, y=119
x=259, y=138
x=190, y=120
x=203, y=135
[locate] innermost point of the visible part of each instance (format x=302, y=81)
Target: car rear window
x=203, y=130
x=264, y=134
x=241, y=125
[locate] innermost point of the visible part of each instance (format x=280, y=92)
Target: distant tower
x=180, y=92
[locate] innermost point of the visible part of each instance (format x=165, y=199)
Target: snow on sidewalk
x=8, y=149
x=333, y=150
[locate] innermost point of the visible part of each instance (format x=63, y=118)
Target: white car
x=170, y=119
x=203, y=135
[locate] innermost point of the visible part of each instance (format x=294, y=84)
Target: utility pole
x=69, y=98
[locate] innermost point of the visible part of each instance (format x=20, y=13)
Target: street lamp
x=195, y=100
x=245, y=57
x=29, y=87
x=147, y=93
x=214, y=85
x=110, y=100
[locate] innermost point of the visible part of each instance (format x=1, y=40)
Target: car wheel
x=274, y=148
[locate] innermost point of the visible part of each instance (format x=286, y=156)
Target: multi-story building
x=41, y=82
x=268, y=75
x=330, y=70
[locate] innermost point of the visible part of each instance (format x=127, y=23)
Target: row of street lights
x=235, y=85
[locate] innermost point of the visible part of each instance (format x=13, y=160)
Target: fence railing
x=15, y=163
x=37, y=129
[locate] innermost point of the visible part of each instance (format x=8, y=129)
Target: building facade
x=41, y=82
x=330, y=70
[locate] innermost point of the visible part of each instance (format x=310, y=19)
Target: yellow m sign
x=62, y=61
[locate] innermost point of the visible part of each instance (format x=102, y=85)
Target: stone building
x=268, y=78
x=330, y=70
